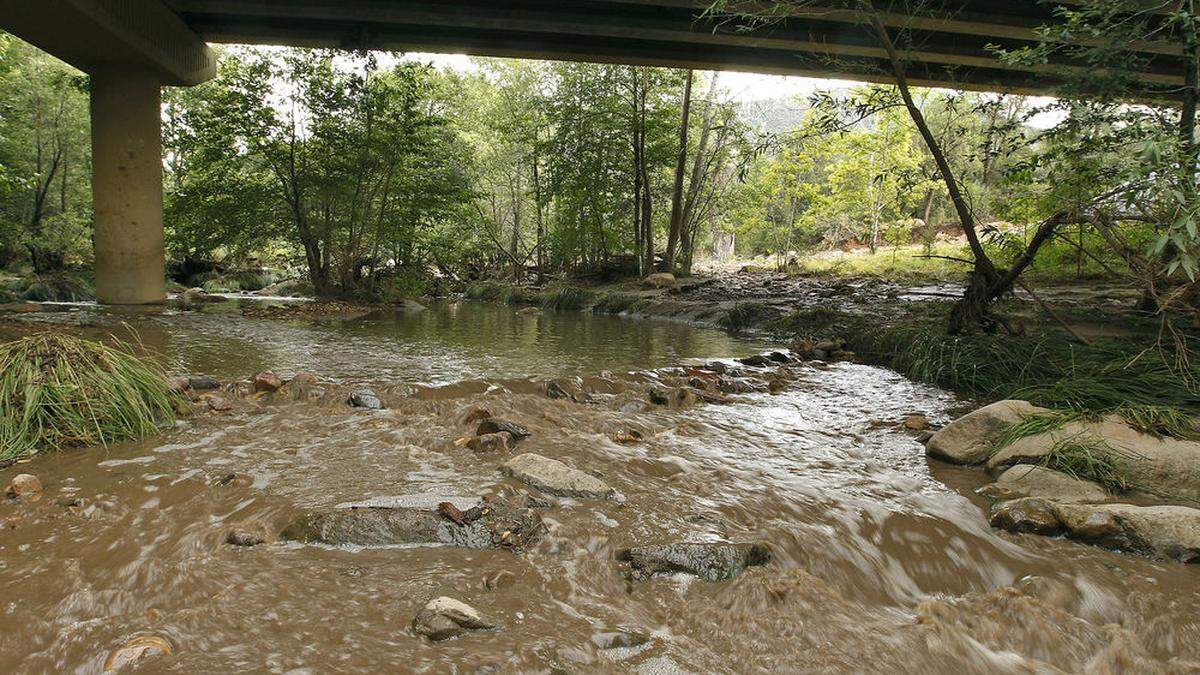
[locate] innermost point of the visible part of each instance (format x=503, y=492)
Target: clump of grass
x=58, y=288
x=1090, y=458
x=59, y=391
x=1047, y=371
x=522, y=295
x=1161, y=421
x=487, y=290
x=616, y=303
x=746, y=315
x=567, y=298
x=1038, y=423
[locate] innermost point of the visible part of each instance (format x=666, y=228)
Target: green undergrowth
x=562, y=298
x=567, y=298
x=58, y=391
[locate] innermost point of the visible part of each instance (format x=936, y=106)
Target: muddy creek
x=879, y=559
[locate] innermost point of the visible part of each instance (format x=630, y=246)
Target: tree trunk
x=680, y=164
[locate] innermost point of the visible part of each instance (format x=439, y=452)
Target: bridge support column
x=127, y=191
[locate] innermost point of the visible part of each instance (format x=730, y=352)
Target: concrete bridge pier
x=127, y=191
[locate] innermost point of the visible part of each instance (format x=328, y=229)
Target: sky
x=741, y=86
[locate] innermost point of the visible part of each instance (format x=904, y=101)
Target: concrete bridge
x=131, y=48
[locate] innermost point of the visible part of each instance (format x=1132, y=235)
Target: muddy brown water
x=882, y=561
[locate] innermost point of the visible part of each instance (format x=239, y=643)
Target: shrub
x=59, y=391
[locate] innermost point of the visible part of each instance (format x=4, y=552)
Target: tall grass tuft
x=616, y=303
x=58, y=391
x=1090, y=458
x=567, y=298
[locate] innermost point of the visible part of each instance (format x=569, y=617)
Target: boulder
x=554, y=477
x=303, y=387
x=1164, y=465
x=474, y=414
x=365, y=398
x=444, y=617
x=494, y=425
x=409, y=306
x=711, y=561
x=24, y=485
x=487, y=525
x=756, y=361
x=1028, y=480
x=135, y=651
x=266, y=381
x=659, y=280
x=971, y=438
x=1168, y=532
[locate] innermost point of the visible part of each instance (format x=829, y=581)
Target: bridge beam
x=127, y=190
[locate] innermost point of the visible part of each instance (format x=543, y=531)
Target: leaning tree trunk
x=681, y=161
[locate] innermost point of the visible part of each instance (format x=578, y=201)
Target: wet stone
x=443, y=618
x=497, y=526
x=247, y=534
x=475, y=413
x=554, y=477
x=202, y=383
x=1028, y=515
x=779, y=357
x=24, y=485
x=365, y=398
x=755, y=361
x=137, y=650
x=711, y=561
x=501, y=579
x=266, y=381
x=554, y=390
x=916, y=422
x=495, y=425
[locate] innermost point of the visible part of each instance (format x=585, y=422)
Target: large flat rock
x=1029, y=480
x=553, y=477
x=711, y=561
x=497, y=526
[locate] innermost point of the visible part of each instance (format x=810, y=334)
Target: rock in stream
x=711, y=561
x=487, y=525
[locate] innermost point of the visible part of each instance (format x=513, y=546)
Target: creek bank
x=1060, y=476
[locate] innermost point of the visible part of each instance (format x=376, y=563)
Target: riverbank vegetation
x=59, y=391
x=375, y=176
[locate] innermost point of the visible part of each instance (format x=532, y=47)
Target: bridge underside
x=131, y=47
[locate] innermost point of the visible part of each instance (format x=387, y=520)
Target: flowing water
x=882, y=562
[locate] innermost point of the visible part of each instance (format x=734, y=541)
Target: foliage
x=617, y=303
x=59, y=391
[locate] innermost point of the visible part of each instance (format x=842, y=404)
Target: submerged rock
x=443, y=618
x=247, y=534
x=756, y=361
x=494, y=425
x=365, y=398
x=554, y=477
x=136, y=650
x=1169, y=532
x=495, y=525
x=497, y=442
x=971, y=438
x=916, y=422
x=711, y=561
x=619, y=639
x=24, y=485
x=1028, y=480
